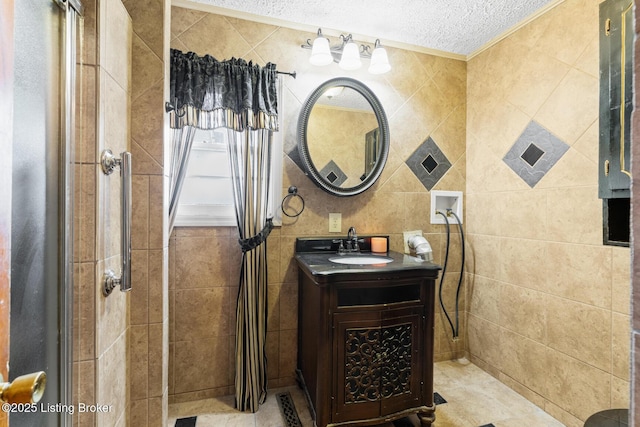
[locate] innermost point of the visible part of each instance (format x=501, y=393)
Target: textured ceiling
x=454, y=26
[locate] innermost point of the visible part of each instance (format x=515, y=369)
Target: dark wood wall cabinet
x=365, y=340
x=616, y=106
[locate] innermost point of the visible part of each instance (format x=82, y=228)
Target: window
x=206, y=198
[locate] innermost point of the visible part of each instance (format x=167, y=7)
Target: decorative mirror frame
x=303, y=148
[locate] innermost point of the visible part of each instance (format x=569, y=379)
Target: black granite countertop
x=319, y=264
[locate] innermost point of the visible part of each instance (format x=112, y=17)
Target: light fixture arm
x=366, y=50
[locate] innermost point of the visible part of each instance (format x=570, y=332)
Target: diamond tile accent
x=333, y=173
x=428, y=163
x=294, y=155
x=186, y=422
x=534, y=153
x=438, y=399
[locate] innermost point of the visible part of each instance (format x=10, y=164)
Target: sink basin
x=361, y=260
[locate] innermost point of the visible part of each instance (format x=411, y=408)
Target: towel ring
x=293, y=192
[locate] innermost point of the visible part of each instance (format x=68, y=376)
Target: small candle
x=378, y=244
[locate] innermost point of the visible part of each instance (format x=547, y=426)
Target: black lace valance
x=207, y=93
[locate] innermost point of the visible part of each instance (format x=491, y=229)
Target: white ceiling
x=459, y=27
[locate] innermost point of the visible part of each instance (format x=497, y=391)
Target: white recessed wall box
x=444, y=201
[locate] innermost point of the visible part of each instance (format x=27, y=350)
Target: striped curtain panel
x=250, y=159
x=207, y=94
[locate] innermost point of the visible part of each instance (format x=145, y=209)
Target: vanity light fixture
x=347, y=53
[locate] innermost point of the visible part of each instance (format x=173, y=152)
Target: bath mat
x=438, y=399
x=186, y=422
x=288, y=410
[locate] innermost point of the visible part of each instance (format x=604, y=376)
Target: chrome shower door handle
x=109, y=163
x=125, y=173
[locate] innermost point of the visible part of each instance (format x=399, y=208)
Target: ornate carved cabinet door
x=402, y=334
x=376, y=359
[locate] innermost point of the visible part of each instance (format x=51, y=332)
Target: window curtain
x=208, y=94
x=181, y=141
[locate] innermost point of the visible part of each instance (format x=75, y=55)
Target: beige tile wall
x=149, y=314
x=100, y=324
x=548, y=303
x=121, y=342
x=423, y=96
x=549, y=59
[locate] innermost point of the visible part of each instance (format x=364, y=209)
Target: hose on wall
x=455, y=329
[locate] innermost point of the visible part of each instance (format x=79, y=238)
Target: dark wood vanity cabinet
x=365, y=346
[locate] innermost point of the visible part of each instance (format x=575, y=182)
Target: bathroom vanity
x=365, y=334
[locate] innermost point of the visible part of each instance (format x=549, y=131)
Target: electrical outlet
x=406, y=236
x=335, y=222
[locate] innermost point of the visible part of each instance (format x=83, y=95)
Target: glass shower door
x=42, y=202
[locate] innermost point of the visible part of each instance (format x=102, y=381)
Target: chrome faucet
x=352, y=240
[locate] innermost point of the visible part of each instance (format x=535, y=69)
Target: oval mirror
x=343, y=137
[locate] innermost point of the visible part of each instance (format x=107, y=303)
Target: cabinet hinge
x=607, y=27
x=606, y=168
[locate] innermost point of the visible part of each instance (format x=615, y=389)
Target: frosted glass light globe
x=320, y=52
x=350, y=57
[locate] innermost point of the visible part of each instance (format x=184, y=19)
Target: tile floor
x=474, y=399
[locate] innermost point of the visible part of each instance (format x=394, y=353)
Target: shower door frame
x=72, y=10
